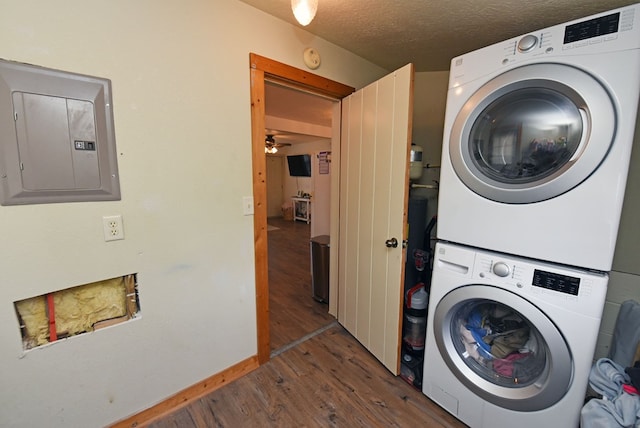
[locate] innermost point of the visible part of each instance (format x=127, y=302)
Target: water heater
x=415, y=162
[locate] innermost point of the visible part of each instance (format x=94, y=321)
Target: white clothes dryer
x=510, y=341
x=537, y=139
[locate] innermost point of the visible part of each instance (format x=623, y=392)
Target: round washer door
x=532, y=133
x=502, y=347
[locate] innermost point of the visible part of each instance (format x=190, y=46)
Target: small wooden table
x=301, y=209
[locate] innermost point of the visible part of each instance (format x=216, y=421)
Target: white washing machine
x=510, y=341
x=537, y=139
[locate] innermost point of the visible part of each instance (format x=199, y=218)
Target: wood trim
x=303, y=79
x=261, y=68
x=260, y=213
x=189, y=394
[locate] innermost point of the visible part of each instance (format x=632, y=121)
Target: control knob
x=527, y=43
x=501, y=269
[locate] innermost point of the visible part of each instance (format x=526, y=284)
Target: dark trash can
x=320, y=268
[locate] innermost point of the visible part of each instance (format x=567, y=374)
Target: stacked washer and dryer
x=537, y=140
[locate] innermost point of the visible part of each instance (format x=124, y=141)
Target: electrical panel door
x=56, y=137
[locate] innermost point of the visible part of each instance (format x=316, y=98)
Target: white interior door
x=374, y=179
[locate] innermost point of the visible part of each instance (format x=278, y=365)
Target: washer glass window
x=498, y=343
x=525, y=135
x=502, y=347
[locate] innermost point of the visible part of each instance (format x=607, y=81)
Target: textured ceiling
x=430, y=33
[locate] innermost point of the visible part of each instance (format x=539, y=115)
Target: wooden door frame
x=262, y=69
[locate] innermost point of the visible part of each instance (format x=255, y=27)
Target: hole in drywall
x=81, y=309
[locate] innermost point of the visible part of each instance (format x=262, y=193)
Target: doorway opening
x=299, y=128
x=263, y=69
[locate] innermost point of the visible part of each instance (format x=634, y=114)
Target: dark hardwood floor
x=293, y=313
x=327, y=379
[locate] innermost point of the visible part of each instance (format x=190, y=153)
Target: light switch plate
x=247, y=205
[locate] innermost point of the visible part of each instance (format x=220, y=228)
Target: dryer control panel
x=611, y=31
x=595, y=27
x=608, y=31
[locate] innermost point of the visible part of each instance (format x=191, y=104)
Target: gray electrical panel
x=57, y=140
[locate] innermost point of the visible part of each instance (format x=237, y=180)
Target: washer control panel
x=574, y=290
x=501, y=269
x=556, y=282
x=538, y=279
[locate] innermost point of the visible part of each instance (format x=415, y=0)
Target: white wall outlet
x=113, y=228
x=247, y=205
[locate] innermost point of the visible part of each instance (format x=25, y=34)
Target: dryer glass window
x=499, y=344
x=526, y=135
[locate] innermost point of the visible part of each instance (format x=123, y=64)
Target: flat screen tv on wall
x=299, y=165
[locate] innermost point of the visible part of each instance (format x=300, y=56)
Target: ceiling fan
x=270, y=145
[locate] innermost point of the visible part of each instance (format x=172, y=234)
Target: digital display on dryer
x=556, y=282
x=592, y=28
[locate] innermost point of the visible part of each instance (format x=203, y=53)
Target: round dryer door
x=532, y=133
x=502, y=348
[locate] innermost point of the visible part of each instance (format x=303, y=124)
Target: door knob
x=391, y=243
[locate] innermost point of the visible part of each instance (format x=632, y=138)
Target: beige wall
x=622, y=286
x=318, y=185
x=624, y=282
x=429, y=102
x=180, y=75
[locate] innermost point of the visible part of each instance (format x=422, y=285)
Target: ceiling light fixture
x=304, y=10
x=270, y=145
